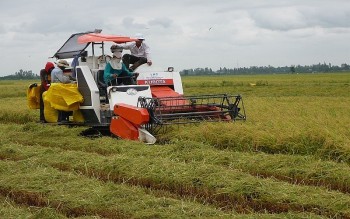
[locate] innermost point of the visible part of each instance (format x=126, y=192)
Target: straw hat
x=62, y=63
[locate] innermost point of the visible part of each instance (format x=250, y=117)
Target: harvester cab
x=140, y=110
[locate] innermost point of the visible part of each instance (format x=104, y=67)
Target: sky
x=183, y=33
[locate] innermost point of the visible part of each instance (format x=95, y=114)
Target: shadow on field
x=96, y=133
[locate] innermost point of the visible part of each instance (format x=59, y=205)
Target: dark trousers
x=63, y=116
x=42, y=116
x=131, y=59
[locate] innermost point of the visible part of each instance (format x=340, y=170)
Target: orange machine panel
x=137, y=116
x=123, y=129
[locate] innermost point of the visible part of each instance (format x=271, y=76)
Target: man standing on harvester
x=140, y=52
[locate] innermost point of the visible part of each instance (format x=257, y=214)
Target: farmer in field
x=140, y=52
x=58, y=76
x=45, y=76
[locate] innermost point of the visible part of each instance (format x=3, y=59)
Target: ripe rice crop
x=290, y=159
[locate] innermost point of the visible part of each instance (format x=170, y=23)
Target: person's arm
x=42, y=76
x=63, y=78
x=123, y=45
x=57, y=76
x=44, y=79
x=107, y=74
x=124, y=69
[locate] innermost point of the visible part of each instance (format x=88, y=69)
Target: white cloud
x=161, y=21
x=279, y=18
x=183, y=33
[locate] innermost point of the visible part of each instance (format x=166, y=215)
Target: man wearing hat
x=57, y=75
x=140, y=52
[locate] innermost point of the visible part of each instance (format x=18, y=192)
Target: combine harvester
x=137, y=112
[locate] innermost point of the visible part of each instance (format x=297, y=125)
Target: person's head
x=116, y=48
x=49, y=66
x=116, y=60
x=62, y=64
x=140, y=38
x=117, y=54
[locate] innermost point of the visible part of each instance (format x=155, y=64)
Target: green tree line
x=268, y=70
x=21, y=74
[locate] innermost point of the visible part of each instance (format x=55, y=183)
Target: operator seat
x=102, y=86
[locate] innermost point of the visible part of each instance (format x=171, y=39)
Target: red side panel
x=123, y=129
x=137, y=116
x=153, y=82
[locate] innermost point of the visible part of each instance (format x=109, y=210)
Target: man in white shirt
x=140, y=52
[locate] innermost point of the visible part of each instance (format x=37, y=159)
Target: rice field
x=290, y=159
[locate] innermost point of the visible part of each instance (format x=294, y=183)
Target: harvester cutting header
x=134, y=111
